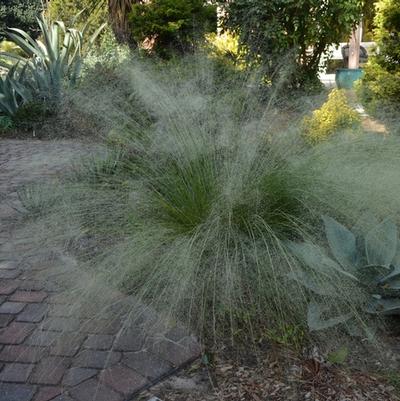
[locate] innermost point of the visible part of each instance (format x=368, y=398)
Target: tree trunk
x=354, y=48
x=118, y=11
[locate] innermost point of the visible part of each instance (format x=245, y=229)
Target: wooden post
x=354, y=48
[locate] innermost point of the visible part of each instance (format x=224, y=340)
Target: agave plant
x=54, y=59
x=370, y=260
x=13, y=91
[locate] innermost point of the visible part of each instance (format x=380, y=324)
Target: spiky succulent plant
x=370, y=261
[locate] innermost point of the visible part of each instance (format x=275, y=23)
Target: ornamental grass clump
x=195, y=215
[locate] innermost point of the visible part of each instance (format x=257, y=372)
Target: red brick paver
x=93, y=390
x=123, y=379
x=28, y=296
x=7, y=287
x=47, y=393
x=50, y=370
x=22, y=353
x=15, y=333
x=16, y=372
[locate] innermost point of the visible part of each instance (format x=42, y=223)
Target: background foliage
x=94, y=13
x=21, y=14
x=173, y=25
x=270, y=30
x=381, y=83
x=387, y=34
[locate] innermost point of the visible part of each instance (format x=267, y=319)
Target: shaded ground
x=276, y=375
x=63, y=335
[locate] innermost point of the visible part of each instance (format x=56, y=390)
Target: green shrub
x=334, y=115
x=21, y=14
x=225, y=47
x=32, y=113
x=379, y=89
x=6, y=123
x=387, y=34
x=106, y=55
x=170, y=26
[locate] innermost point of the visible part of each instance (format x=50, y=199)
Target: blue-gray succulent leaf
x=384, y=306
x=381, y=243
x=342, y=243
x=315, y=258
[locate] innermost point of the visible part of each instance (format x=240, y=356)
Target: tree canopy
x=297, y=31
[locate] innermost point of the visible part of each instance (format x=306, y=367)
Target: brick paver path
x=64, y=336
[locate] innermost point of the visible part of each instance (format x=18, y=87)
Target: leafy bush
x=31, y=114
x=169, y=26
x=280, y=33
x=225, y=47
x=106, y=55
x=21, y=14
x=387, y=34
x=5, y=123
x=334, y=115
x=380, y=87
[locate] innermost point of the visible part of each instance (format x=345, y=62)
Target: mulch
x=277, y=375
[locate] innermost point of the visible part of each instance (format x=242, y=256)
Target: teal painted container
x=346, y=77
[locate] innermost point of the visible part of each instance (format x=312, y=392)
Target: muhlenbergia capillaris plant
x=196, y=208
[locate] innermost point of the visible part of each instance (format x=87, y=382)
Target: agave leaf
x=48, y=35
x=316, y=322
x=6, y=106
x=371, y=275
x=396, y=259
x=381, y=243
x=96, y=34
x=25, y=42
x=357, y=330
x=384, y=306
x=21, y=90
x=364, y=224
x=77, y=15
x=342, y=243
x=12, y=56
x=314, y=257
x=307, y=280
x=394, y=274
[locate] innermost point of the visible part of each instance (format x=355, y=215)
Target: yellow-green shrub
x=225, y=47
x=335, y=114
x=7, y=46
